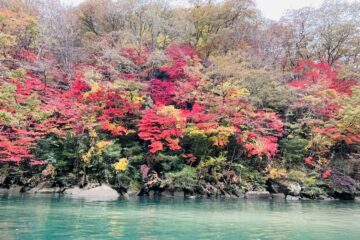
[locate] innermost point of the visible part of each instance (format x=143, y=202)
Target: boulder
x=224, y=194
x=179, y=193
x=189, y=194
x=342, y=187
x=278, y=196
x=285, y=187
x=166, y=193
x=211, y=191
x=45, y=187
x=237, y=192
x=92, y=185
x=311, y=192
x=51, y=190
x=292, y=198
x=103, y=191
x=132, y=193
x=99, y=193
x=324, y=198
x=274, y=187
x=15, y=189
x=2, y=179
x=73, y=191
x=294, y=189
x=257, y=195
x=151, y=193
x=4, y=190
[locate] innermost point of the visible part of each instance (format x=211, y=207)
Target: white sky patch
x=72, y=2
x=275, y=9
x=272, y=9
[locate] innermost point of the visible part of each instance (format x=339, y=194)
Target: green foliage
x=134, y=152
x=277, y=173
x=184, y=179
x=113, y=151
x=167, y=162
x=266, y=91
x=293, y=149
x=313, y=187
x=296, y=176
x=198, y=144
x=16, y=74
x=61, y=153
x=252, y=180
x=211, y=168
x=131, y=178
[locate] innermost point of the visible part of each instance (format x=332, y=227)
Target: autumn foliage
x=330, y=102
x=145, y=111
x=90, y=107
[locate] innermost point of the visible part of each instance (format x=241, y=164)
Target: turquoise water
x=46, y=217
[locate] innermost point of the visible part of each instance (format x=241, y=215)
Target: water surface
x=54, y=217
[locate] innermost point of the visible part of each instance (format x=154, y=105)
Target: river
x=59, y=217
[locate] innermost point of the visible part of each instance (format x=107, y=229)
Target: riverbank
x=105, y=192
x=229, y=185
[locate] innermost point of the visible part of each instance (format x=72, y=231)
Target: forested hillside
x=206, y=97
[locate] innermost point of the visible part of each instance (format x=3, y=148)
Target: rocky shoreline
x=341, y=188
x=105, y=192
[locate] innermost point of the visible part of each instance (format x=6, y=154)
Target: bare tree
x=58, y=32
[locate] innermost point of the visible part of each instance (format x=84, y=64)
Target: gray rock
x=237, y=192
x=275, y=187
x=51, y=190
x=166, y=193
x=211, y=191
x=278, y=196
x=15, y=189
x=226, y=195
x=179, y=193
x=343, y=187
x=240, y=195
x=100, y=193
x=40, y=187
x=103, y=190
x=73, y=191
x=294, y=189
x=257, y=195
x=189, y=194
x=4, y=190
x=292, y=198
x=151, y=193
x=285, y=187
x=324, y=198
x=91, y=185
x=2, y=179
x=132, y=193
